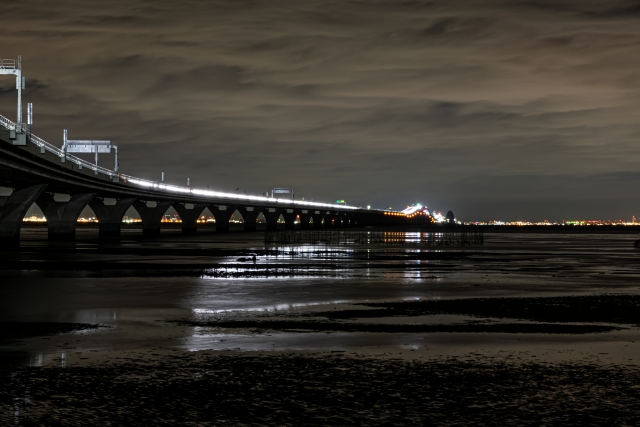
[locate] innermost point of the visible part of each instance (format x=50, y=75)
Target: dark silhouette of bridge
x=37, y=170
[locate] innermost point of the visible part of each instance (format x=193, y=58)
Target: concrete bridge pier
x=223, y=216
x=327, y=221
x=151, y=216
x=337, y=220
x=343, y=220
x=317, y=220
x=190, y=216
x=289, y=216
x=62, y=217
x=110, y=216
x=249, y=217
x=373, y=219
x=272, y=215
x=305, y=217
x=13, y=208
x=315, y=224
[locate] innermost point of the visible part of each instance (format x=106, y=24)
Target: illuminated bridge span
x=38, y=170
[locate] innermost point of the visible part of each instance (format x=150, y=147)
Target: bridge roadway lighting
x=14, y=67
x=45, y=146
x=248, y=198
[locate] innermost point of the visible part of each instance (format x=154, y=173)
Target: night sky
x=493, y=109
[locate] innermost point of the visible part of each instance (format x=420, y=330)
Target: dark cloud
x=490, y=108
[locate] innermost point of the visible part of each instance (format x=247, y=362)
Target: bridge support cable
x=13, y=208
x=223, y=216
x=151, y=216
x=110, y=216
x=189, y=217
x=250, y=217
x=62, y=217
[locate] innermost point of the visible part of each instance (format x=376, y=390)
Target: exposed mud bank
x=294, y=390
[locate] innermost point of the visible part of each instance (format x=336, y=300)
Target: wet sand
x=526, y=329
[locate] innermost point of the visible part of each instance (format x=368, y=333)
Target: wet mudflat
x=293, y=389
x=526, y=329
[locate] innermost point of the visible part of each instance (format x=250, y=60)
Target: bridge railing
x=8, y=63
x=8, y=124
x=11, y=125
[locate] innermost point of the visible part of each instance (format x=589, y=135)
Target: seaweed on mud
x=294, y=390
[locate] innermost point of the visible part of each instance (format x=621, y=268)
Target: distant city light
x=34, y=218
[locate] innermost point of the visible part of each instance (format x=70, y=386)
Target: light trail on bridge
x=10, y=125
x=209, y=193
x=38, y=170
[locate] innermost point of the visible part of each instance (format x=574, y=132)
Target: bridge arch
x=250, y=216
x=13, y=209
x=110, y=215
x=189, y=215
x=222, y=214
x=62, y=217
x=151, y=216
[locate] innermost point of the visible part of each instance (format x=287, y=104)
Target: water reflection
x=336, y=341
x=47, y=359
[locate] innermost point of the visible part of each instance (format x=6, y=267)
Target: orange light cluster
x=395, y=213
x=417, y=213
x=34, y=218
x=87, y=219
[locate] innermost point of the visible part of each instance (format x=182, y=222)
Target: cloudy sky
x=493, y=109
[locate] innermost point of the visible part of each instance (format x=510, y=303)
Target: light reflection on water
x=277, y=307
x=335, y=341
x=48, y=359
x=269, y=273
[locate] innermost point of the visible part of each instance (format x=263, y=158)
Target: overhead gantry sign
x=12, y=66
x=89, y=146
